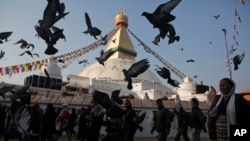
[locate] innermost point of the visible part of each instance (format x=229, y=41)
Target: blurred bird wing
x=241, y=57
x=102, y=99
x=107, y=54
x=138, y=67
x=167, y=7
x=5, y=35
x=88, y=21
x=21, y=41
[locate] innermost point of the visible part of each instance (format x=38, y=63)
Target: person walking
x=182, y=120
x=162, y=123
x=197, y=120
x=49, y=124
x=229, y=111
x=63, y=118
x=128, y=121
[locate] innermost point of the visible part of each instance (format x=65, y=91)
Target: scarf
x=231, y=116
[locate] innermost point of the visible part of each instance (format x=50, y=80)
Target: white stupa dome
x=52, y=68
x=113, y=70
x=187, y=87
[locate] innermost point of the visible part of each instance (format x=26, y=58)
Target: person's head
x=226, y=86
x=127, y=103
x=159, y=103
x=194, y=102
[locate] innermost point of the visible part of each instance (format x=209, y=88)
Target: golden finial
x=121, y=19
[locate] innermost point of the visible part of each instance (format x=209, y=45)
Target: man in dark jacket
x=162, y=122
x=49, y=124
x=196, y=121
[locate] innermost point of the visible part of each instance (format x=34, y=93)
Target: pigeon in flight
x=112, y=109
x=83, y=61
x=25, y=44
x=27, y=52
x=181, y=48
x=5, y=36
x=190, y=60
x=134, y=70
x=216, y=16
x=53, y=84
x=104, y=39
x=93, y=31
x=104, y=56
x=237, y=59
x=5, y=88
x=165, y=74
x=162, y=14
x=157, y=40
x=172, y=34
x=60, y=61
x=2, y=53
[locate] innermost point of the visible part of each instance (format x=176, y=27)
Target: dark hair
x=159, y=100
x=195, y=100
x=230, y=81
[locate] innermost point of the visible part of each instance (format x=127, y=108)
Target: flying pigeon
x=25, y=44
x=190, y=60
x=134, y=70
x=2, y=53
x=5, y=36
x=53, y=84
x=237, y=59
x=104, y=39
x=104, y=56
x=27, y=52
x=157, y=40
x=50, y=16
x=93, y=31
x=6, y=88
x=172, y=34
x=163, y=72
x=60, y=61
x=83, y=61
x=216, y=16
x=162, y=14
x=112, y=109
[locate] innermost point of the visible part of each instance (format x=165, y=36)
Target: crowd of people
x=228, y=111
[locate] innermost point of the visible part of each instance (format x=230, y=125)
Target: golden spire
x=121, y=19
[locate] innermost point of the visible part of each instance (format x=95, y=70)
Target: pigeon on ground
x=27, y=52
x=5, y=36
x=25, y=44
x=93, y=31
x=2, y=53
x=104, y=56
x=134, y=70
x=162, y=14
x=237, y=59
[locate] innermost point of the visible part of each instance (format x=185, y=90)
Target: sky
x=194, y=23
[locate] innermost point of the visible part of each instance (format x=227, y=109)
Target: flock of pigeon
x=161, y=19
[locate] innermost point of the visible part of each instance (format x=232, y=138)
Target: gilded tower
x=121, y=41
